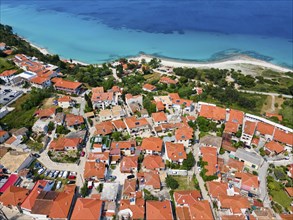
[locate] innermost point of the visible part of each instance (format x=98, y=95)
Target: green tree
x=171, y=182
x=117, y=136
x=189, y=162
x=51, y=126
x=84, y=190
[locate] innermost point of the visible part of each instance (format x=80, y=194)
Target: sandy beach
x=239, y=62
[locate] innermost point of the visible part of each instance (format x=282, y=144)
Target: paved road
x=115, y=75
x=267, y=93
x=263, y=184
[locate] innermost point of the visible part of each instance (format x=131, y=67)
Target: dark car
x=6, y=99
x=7, y=90
x=71, y=182
x=130, y=176
x=36, y=155
x=11, y=96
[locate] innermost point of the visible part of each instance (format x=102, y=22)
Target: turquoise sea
x=98, y=31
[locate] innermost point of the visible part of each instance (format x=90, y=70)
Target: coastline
x=221, y=64
x=233, y=62
x=46, y=52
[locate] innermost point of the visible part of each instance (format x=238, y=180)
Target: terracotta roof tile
x=133, y=122
x=39, y=80
x=213, y=112
x=152, y=162
x=67, y=84
x=209, y=154
x=137, y=209
x=104, y=128
x=283, y=137
x=86, y=208
x=231, y=127
x=8, y=73
x=217, y=189
x=123, y=144
x=149, y=87
x=264, y=128
x=128, y=163
x=159, y=117
x=236, y=116
x=247, y=180
x=186, y=196
x=93, y=169
x=14, y=196
x=274, y=146
x=152, y=143
x=201, y=210
x=129, y=187
x=168, y=80
x=184, y=133
x=72, y=119
x=119, y=124
x=235, y=203
x=175, y=151
x=249, y=127
x=159, y=210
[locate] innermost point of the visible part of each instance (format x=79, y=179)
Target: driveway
x=263, y=184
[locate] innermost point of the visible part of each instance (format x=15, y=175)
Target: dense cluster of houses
x=154, y=143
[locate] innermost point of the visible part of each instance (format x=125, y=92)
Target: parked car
x=36, y=155
x=41, y=171
x=7, y=90
x=65, y=174
x=90, y=184
x=130, y=176
x=60, y=174
x=56, y=174
x=82, y=153
x=47, y=173
x=71, y=177
x=112, y=177
x=58, y=186
x=71, y=182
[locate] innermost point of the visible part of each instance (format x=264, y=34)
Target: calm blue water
x=97, y=31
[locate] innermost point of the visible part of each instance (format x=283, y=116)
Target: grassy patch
x=151, y=77
x=35, y=146
x=18, y=117
x=5, y=65
x=185, y=183
x=281, y=197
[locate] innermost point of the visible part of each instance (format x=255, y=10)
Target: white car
x=42, y=170
x=60, y=174
x=65, y=174
x=58, y=186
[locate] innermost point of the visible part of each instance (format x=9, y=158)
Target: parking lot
x=8, y=95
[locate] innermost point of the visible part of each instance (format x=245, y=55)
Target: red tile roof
x=236, y=116
x=72, y=119
x=129, y=187
x=123, y=144
x=152, y=162
x=168, y=80
x=184, y=133
x=8, y=73
x=160, y=106
x=12, y=179
x=45, y=113
x=249, y=127
x=104, y=128
x=133, y=122
x=93, y=169
x=274, y=146
x=159, y=117
x=209, y=154
x=62, y=203
x=39, y=80
x=30, y=200
x=63, y=142
x=201, y=210
x=235, y=203
x=269, y=115
x=264, y=128
x=119, y=124
x=231, y=127
x=175, y=151
x=137, y=209
x=152, y=143
x=149, y=87
x=13, y=196
x=86, y=208
x=128, y=163
x=102, y=156
x=65, y=98
x=182, y=213
x=247, y=179
x=68, y=84
x=217, y=189
x=212, y=112
x=236, y=164
x=98, y=90
x=151, y=178
x=159, y=210
x=186, y=196
x=283, y=137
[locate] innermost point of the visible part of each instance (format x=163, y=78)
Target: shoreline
x=221, y=64
x=232, y=62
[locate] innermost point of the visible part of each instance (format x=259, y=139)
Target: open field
x=185, y=183
x=151, y=77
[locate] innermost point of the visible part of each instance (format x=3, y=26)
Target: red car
x=82, y=153
x=71, y=177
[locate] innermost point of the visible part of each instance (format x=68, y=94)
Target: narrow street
x=263, y=184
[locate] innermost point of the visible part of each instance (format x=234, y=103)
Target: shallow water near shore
x=98, y=31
